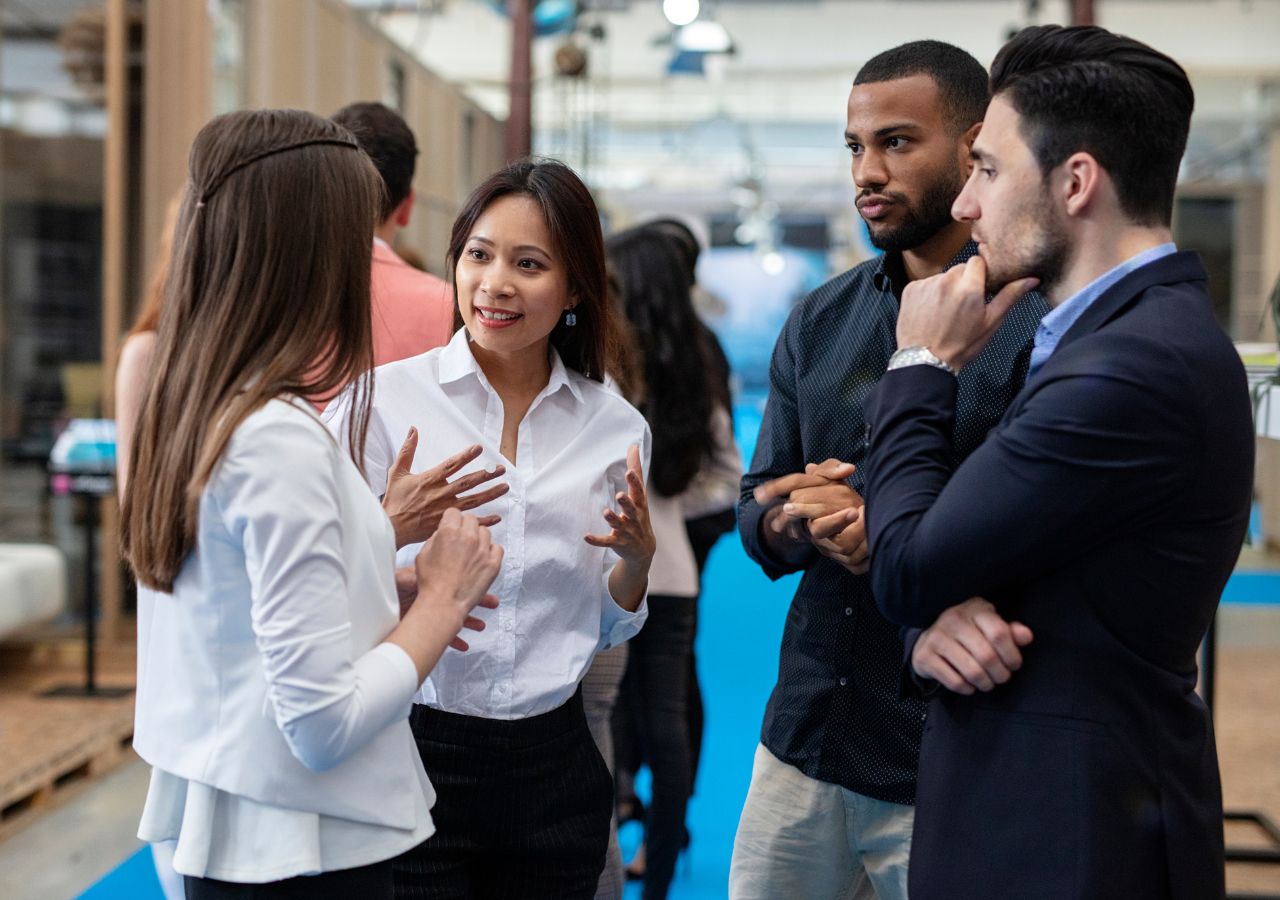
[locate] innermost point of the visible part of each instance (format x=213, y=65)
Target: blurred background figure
x=132, y=371
x=709, y=504
x=412, y=309
x=601, y=683
x=692, y=432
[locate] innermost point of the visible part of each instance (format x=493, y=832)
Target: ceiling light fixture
x=703, y=37
x=680, y=12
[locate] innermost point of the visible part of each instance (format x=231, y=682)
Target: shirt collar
x=1059, y=320
x=890, y=274
x=457, y=362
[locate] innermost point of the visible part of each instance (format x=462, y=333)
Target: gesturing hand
x=454, y=569
x=970, y=647
x=950, y=315
x=631, y=535
x=415, y=503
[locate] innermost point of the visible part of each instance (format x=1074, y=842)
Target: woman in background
x=274, y=674
x=680, y=408
x=525, y=798
x=133, y=367
x=710, y=503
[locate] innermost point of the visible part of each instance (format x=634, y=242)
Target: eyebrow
x=886, y=130
x=523, y=248
x=978, y=156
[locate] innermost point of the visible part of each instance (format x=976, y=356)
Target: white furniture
x=33, y=585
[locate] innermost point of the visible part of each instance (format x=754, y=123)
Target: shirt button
x=508, y=625
x=848, y=610
x=843, y=682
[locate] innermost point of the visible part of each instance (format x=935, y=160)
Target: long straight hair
x=266, y=294
x=679, y=395
x=589, y=347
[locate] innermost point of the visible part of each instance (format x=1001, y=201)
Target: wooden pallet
x=56, y=781
x=51, y=747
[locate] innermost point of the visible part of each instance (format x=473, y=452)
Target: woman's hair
x=678, y=398
x=570, y=214
x=267, y=293
x=627, y=367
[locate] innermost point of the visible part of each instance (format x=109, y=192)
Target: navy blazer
x=1105, y=511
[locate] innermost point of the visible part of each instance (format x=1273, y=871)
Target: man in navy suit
x=1071, y=756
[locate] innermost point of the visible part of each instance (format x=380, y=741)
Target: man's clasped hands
x=970, y=647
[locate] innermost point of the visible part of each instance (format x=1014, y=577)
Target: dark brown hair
x=590, y=346
x=267, y=294
x=679, y=398
x=1084, y=89
x=385, y=136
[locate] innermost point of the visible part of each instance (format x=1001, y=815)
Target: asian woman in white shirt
x=524, y=798
x=274, y=671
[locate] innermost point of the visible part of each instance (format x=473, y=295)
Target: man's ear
x=966, y=144
x=1080, y=180
x=404, y=210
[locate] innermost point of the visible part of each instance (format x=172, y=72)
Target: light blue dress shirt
x=1060, y=319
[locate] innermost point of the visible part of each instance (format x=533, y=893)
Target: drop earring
x=570, y=318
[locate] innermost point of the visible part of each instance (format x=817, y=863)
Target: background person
x=273, y=671
x=683, y=412
x=604, y=677
x=133, y=368
x=524, y=796
x=412, y=309
x=710, y=503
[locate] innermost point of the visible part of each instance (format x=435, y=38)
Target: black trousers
x=372, y=882
x=652, y=705
x=522, y=808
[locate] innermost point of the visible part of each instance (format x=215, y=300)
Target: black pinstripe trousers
x=522, y=808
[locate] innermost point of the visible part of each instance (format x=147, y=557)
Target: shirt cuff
x=749, y=516
x=618, y=625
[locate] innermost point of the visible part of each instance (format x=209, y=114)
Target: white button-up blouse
x=555, y=609
x=272, y=711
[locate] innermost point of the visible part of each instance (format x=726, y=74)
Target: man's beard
x=922, y=222
x=1040, y=249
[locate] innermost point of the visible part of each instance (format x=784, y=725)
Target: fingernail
x=788, y=507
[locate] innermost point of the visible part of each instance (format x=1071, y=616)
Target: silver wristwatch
x=918, y=356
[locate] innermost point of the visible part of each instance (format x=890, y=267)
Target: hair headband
x=217, y=182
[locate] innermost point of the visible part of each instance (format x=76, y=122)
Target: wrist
x=437, y=605
x=919, y=355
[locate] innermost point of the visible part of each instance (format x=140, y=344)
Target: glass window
x=52, y=124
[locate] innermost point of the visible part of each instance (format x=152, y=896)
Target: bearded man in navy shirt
x=829, y=813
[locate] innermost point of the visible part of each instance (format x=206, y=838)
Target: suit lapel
x=1173, y=269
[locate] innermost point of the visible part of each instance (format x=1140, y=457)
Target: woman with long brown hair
x=525, y=799
x=274, y=672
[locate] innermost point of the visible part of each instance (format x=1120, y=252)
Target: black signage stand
x=90, y=487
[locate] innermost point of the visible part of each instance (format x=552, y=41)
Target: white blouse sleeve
x=277, y=492
x=617, y=625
